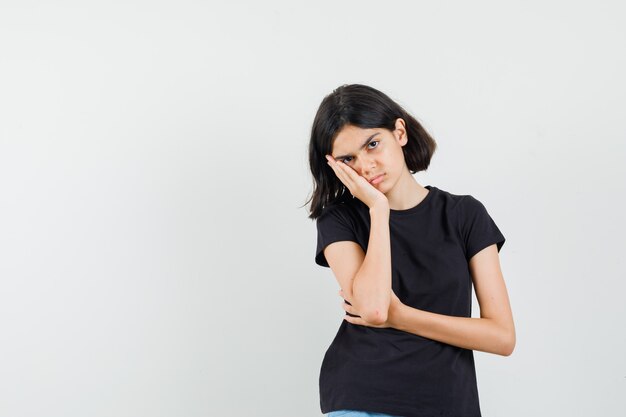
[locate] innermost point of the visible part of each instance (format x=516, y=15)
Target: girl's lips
x=377, y=179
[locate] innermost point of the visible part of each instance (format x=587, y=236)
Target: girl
x=405, y=257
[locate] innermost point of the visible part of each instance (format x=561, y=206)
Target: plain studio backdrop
x=156, y=258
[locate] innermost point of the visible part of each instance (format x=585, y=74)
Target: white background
x=156, y=258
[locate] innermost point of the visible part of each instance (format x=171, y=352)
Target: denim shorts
x=354, y=413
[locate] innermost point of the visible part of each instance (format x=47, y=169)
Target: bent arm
x=493, y=332
x=466, y=332
x=371, y=286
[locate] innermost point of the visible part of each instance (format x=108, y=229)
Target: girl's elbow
x=509, y=344
x=376, y=316
x=375, y=311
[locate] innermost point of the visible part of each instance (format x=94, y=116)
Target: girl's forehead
x=349, y=136
x=353, y=132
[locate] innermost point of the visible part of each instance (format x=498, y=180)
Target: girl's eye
x=345, y=160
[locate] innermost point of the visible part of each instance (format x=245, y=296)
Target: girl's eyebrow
x=367, y=141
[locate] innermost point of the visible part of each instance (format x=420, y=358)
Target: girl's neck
x=406, y=193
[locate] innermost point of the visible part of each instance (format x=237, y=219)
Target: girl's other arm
x=493, y=332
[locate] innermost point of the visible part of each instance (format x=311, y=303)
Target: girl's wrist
x=380, y=207
x=395, y=316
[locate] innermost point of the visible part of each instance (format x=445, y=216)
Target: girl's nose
x=368, y=166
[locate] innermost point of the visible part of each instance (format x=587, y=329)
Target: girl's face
x=373, y=152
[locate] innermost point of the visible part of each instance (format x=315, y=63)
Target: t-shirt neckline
x=425, y=201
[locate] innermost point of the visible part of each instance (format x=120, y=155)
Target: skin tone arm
x=372, y=282
x=371, y=285
x=493, y=332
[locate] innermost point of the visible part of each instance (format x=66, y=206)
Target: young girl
x=405, y=257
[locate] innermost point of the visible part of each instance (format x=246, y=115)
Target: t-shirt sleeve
x=332, y=226
x=478, y=230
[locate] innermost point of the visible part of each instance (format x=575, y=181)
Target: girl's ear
x=400, y=132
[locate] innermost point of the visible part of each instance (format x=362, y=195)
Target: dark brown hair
x=364, y=107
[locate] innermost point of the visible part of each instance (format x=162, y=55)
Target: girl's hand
x=358, y=185
x=392, y=315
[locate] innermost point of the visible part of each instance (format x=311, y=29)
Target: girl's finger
x=360, y=321
x=348, y=176
x=348, y=170
x=355, y=320
x=343, y=176
x=340, y=172
x=336, y=164
x=342, y=295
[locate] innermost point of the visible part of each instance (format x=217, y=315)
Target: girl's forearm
x=371, y=287
x=482, y=334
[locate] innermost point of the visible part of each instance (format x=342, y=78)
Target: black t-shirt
x=390, y=371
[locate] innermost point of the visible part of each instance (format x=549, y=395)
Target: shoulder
x=347, y=209
x=456, y=202
x=462, y=209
